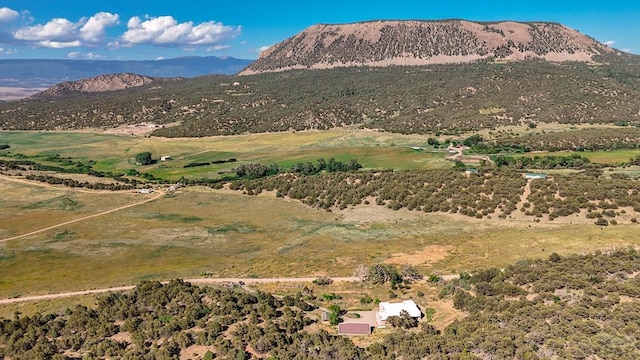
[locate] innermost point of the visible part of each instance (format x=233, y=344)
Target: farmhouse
x=145, y=191
x=166, y=158
x=387, y=309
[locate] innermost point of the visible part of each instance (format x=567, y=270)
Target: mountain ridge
x=49, y=72
x=379, y=43
x=96, y=84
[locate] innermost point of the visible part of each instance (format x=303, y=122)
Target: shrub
x=323, y=280
x=144, y=158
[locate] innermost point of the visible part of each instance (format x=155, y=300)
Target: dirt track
x=159, y=194
x=202, y=281
x=193, y=281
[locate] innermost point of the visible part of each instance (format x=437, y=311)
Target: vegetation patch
x=63, y=202
x=172, y=217
x=239, y=228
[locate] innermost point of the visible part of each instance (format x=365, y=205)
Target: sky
x=161, y=29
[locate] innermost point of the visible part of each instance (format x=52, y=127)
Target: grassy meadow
x=117, y=153
x=199, y=232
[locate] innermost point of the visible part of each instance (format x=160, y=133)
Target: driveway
x=368, y=317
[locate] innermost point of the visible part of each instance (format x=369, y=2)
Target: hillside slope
x=49, y=72
x=397, y=99
x=386, y=43
x=101, y=83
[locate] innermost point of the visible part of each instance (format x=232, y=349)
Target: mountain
x=385, y=43
x=603, y=88
x=100, y=83
x=46, y=73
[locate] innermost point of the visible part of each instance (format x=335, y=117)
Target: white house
x=387, y=309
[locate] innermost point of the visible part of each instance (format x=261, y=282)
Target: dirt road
x=202, y=281
x=158, y=195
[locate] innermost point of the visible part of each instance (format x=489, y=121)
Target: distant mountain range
x=46, y=73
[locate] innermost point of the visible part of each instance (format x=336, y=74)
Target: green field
x=116, y=152
x=598, y=157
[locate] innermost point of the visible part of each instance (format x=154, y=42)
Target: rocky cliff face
x=101, y=83
x=387, y=43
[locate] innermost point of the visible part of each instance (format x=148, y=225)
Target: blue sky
x=146, y=30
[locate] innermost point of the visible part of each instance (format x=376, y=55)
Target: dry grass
x=222, y=233
x=54, y=306
x=27, y=208
x=227, y=234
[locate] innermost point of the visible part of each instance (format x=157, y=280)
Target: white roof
x=394, y=309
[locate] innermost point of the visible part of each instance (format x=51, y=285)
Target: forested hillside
x=438, y=98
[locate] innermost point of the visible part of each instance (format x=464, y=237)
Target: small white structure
x=387, y=309
x=165, y=158
x=145, y=191
x=535, y=176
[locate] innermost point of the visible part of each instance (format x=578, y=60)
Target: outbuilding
x=354, y=329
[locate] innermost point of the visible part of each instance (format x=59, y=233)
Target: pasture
x=199, y=232
x=203, y=232
x=116, y=153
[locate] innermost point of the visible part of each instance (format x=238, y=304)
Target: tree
x=144, y=158
x=334, y=315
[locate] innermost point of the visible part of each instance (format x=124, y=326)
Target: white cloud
x=610, y=42
x=8, y=15
x=218, y=47
x=93, y=30
x=59, y=44
x=627, y=50
x=62, y=33
x=79, y=55
x=8, y=51
x=261, y=49
x=58, y=29
x=165, y=30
